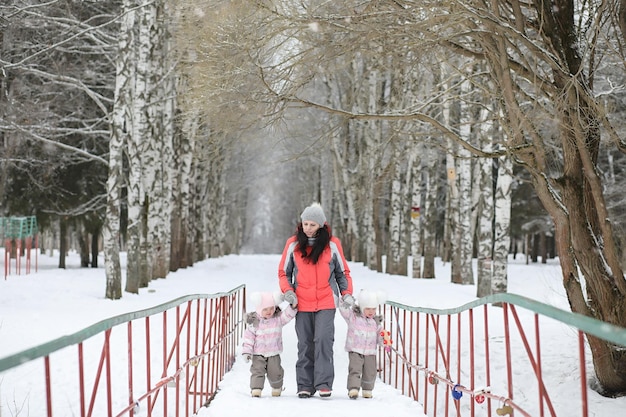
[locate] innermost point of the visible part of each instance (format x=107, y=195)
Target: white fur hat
x=371, y=299
x=261, y=300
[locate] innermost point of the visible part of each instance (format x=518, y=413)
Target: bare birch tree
x=485, y=215
x=502, y=236
x=120, y=123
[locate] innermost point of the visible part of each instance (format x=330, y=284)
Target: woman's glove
x=291, y=298
x=348, y=299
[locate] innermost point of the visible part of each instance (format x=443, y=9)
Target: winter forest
x=455, y=129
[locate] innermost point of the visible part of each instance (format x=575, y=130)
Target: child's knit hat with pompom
x=371, y=299
x=262, y=300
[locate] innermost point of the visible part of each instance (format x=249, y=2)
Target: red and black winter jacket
x=315, y=285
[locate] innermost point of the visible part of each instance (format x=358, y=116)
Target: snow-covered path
x=234, y=398
x=43, y=305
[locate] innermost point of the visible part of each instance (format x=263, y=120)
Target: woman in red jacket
x=314, y=274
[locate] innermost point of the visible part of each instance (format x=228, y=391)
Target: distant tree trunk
x=464, y=164
x=83, y=246
x=170, y=169
x=184, y=182
x=215, y=210
x=347, y=209
x=431, y=211
x=543, y=247
x=453, y=243
x=201, y=194
x=369, y=229
x=342, y=141
x=485, y=218
x=219, y=229
x=144, y=240
x=415, y=189
x=62, y=241
x=94, y=247
x=396, y=260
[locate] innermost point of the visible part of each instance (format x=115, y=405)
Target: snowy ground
x=42, y=306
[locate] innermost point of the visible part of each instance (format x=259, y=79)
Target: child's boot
x=367, y=394
x=353, y=393
x=256, y=392
x=276, y=392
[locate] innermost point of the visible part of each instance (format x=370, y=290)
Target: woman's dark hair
x=322, y=238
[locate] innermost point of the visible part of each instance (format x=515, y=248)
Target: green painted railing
x=477, y=359
x=470, y=360
x=605, y=331
x=178, y=350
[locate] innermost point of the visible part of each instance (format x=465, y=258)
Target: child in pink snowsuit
x=363, y=338
x=263, y=341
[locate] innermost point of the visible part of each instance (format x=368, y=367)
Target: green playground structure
x=19, y=235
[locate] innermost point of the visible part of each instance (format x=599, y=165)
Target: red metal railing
x=485, y=358
x=477, y=359
x=163, y=361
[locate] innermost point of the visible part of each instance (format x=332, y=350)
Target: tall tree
x=121, y=122
x=502, y=220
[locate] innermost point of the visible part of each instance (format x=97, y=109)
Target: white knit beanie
x=371, y=299
x=314, y=213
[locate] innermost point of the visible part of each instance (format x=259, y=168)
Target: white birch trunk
x=451, y=226
x=415, y=187
x=465, y=193
x=169, y=169
x=200, y=198
x=502, y=232
x=485, y=216
x=396, y=212
x=214, y=234
x=182, y=194
x=370, y=231
x=158, y=150
x=343, y=183
x=222, y=215
x=136, y=271
x=400, y=199
x=372, y=164
x=430, y=212
x=120, y=120
x=150, y=155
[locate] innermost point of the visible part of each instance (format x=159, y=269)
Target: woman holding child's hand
x=313, y=274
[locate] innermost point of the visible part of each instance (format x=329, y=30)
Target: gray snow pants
x=315, y=368
x=361, y=371
x=261, y=366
